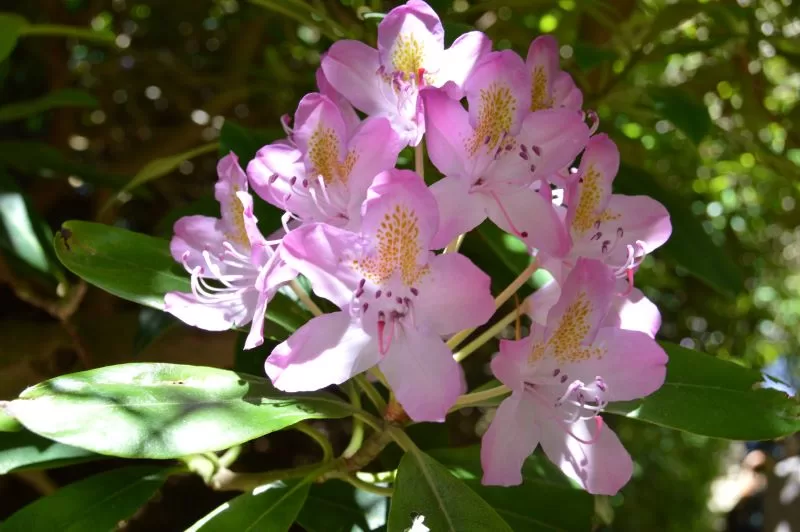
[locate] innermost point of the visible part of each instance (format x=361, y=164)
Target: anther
x=293, y=180
x=414, y=291
x=378, y=294
x=524, y=155
x=556, y=372
x=537, y=150
x=273, y=178
x=533, y=168
x=564, y=379
x=399, y=300
x=389, y=293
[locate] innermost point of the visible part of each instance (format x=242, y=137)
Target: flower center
x=591, y=194
x=566, y=342
x=408, y=55
x=323, y=152
x=540, y=98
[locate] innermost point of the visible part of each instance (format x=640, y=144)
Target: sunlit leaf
x=711, y=397
x=11, y=25
x=24, y=450
x=339, y=507
x=424, y=487
x=270, y=508
x=163, y=410
x=53, y=100
x=95, y=503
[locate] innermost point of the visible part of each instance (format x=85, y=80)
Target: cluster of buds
x=505, y=134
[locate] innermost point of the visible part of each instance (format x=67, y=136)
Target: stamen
x=523, y=234
x=596, y=436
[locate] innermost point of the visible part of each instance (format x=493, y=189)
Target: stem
x=401, y=438
x=510, y=290
x=488, y=334
x=419, y=160
x=366, y=486
x=227, y=480
x=371, y=392
x=302, y=295
x=471, y=399
x=317, y=436
x=230, y=456
x=453, y=246
x=357, y=437
x=68, y=31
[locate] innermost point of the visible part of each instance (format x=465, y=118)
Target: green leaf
x=711, y=397
x=153, y=323
x=538, y=504
x=689, y=246
x=686, y=112
x=96, y=503
x=55, y=99
x=270, y=508
x=163, y=410
x=161, y=167
x=41, y=159
x=242, y=141
x=9, y=423
x=11, y=25
x=587, y=56
x=130, y=265
x=25, y=450
x=339, y=507
x=425, y=487
x=23, y=233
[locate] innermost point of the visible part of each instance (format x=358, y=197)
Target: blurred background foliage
x=701, y=97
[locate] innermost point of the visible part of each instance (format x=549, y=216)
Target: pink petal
x=279, y=159
x=448, y=134
x=459, y=60
x=525, y=214
x=511, y=438
x=548, y=141
x=586, y=297
x=634, y=313
x=404, y=190
x=589, y=192
x=498, y=91
x=349, y=114
x=324, y=255
x=375, y=147
x=543, y=63
x=540, y=302
x=327, y=350
x=633, y=365
x=459, y=211
x=193, y=234
x=351, y=67
x=643, y=218
x=211, y=317
x=249, y=224
x=566, y=93
x=454, y=295
x=420, y=369
x=414, y=22
x=602, y=467
x=512, y=360
x=321, y=134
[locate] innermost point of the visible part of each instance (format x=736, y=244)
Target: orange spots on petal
x=566, y=342
x=238, y=232
x=591, y=194
x=496, y=112
x=323, y=152
x=398, y=249
x=540, y=96
x=408, y=55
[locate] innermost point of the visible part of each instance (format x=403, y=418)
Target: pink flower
x=410, y=55
x=397, y=300
x=616, y=229
x=322, y=173
x=561, y=377
x=550, y=86
x=243, y=268
x=492, y=154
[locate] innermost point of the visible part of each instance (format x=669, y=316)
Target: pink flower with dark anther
x=561, y=377
x=234, y=270
x=616, y=229
x=492, y=154
x=550, y=86
x=410, y=56
x=397, y=300
x=323, y=172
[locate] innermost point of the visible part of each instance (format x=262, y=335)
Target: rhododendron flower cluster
x=511, y=144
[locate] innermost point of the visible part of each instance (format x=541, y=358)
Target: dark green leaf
x=152, y=324
x=270, y=508
x=96, y=503
x=41, y=159
x=587, y=56
x=538, y=504
x=11, y=25
x=23, y=233
x=130, y=265
x=339, y=507
x=25, y=450
x=689, y=246
x=708, y=396
x=55, y=99
x=163, y=410
x=426, y=488
x=686, y=112
x=242, y=141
